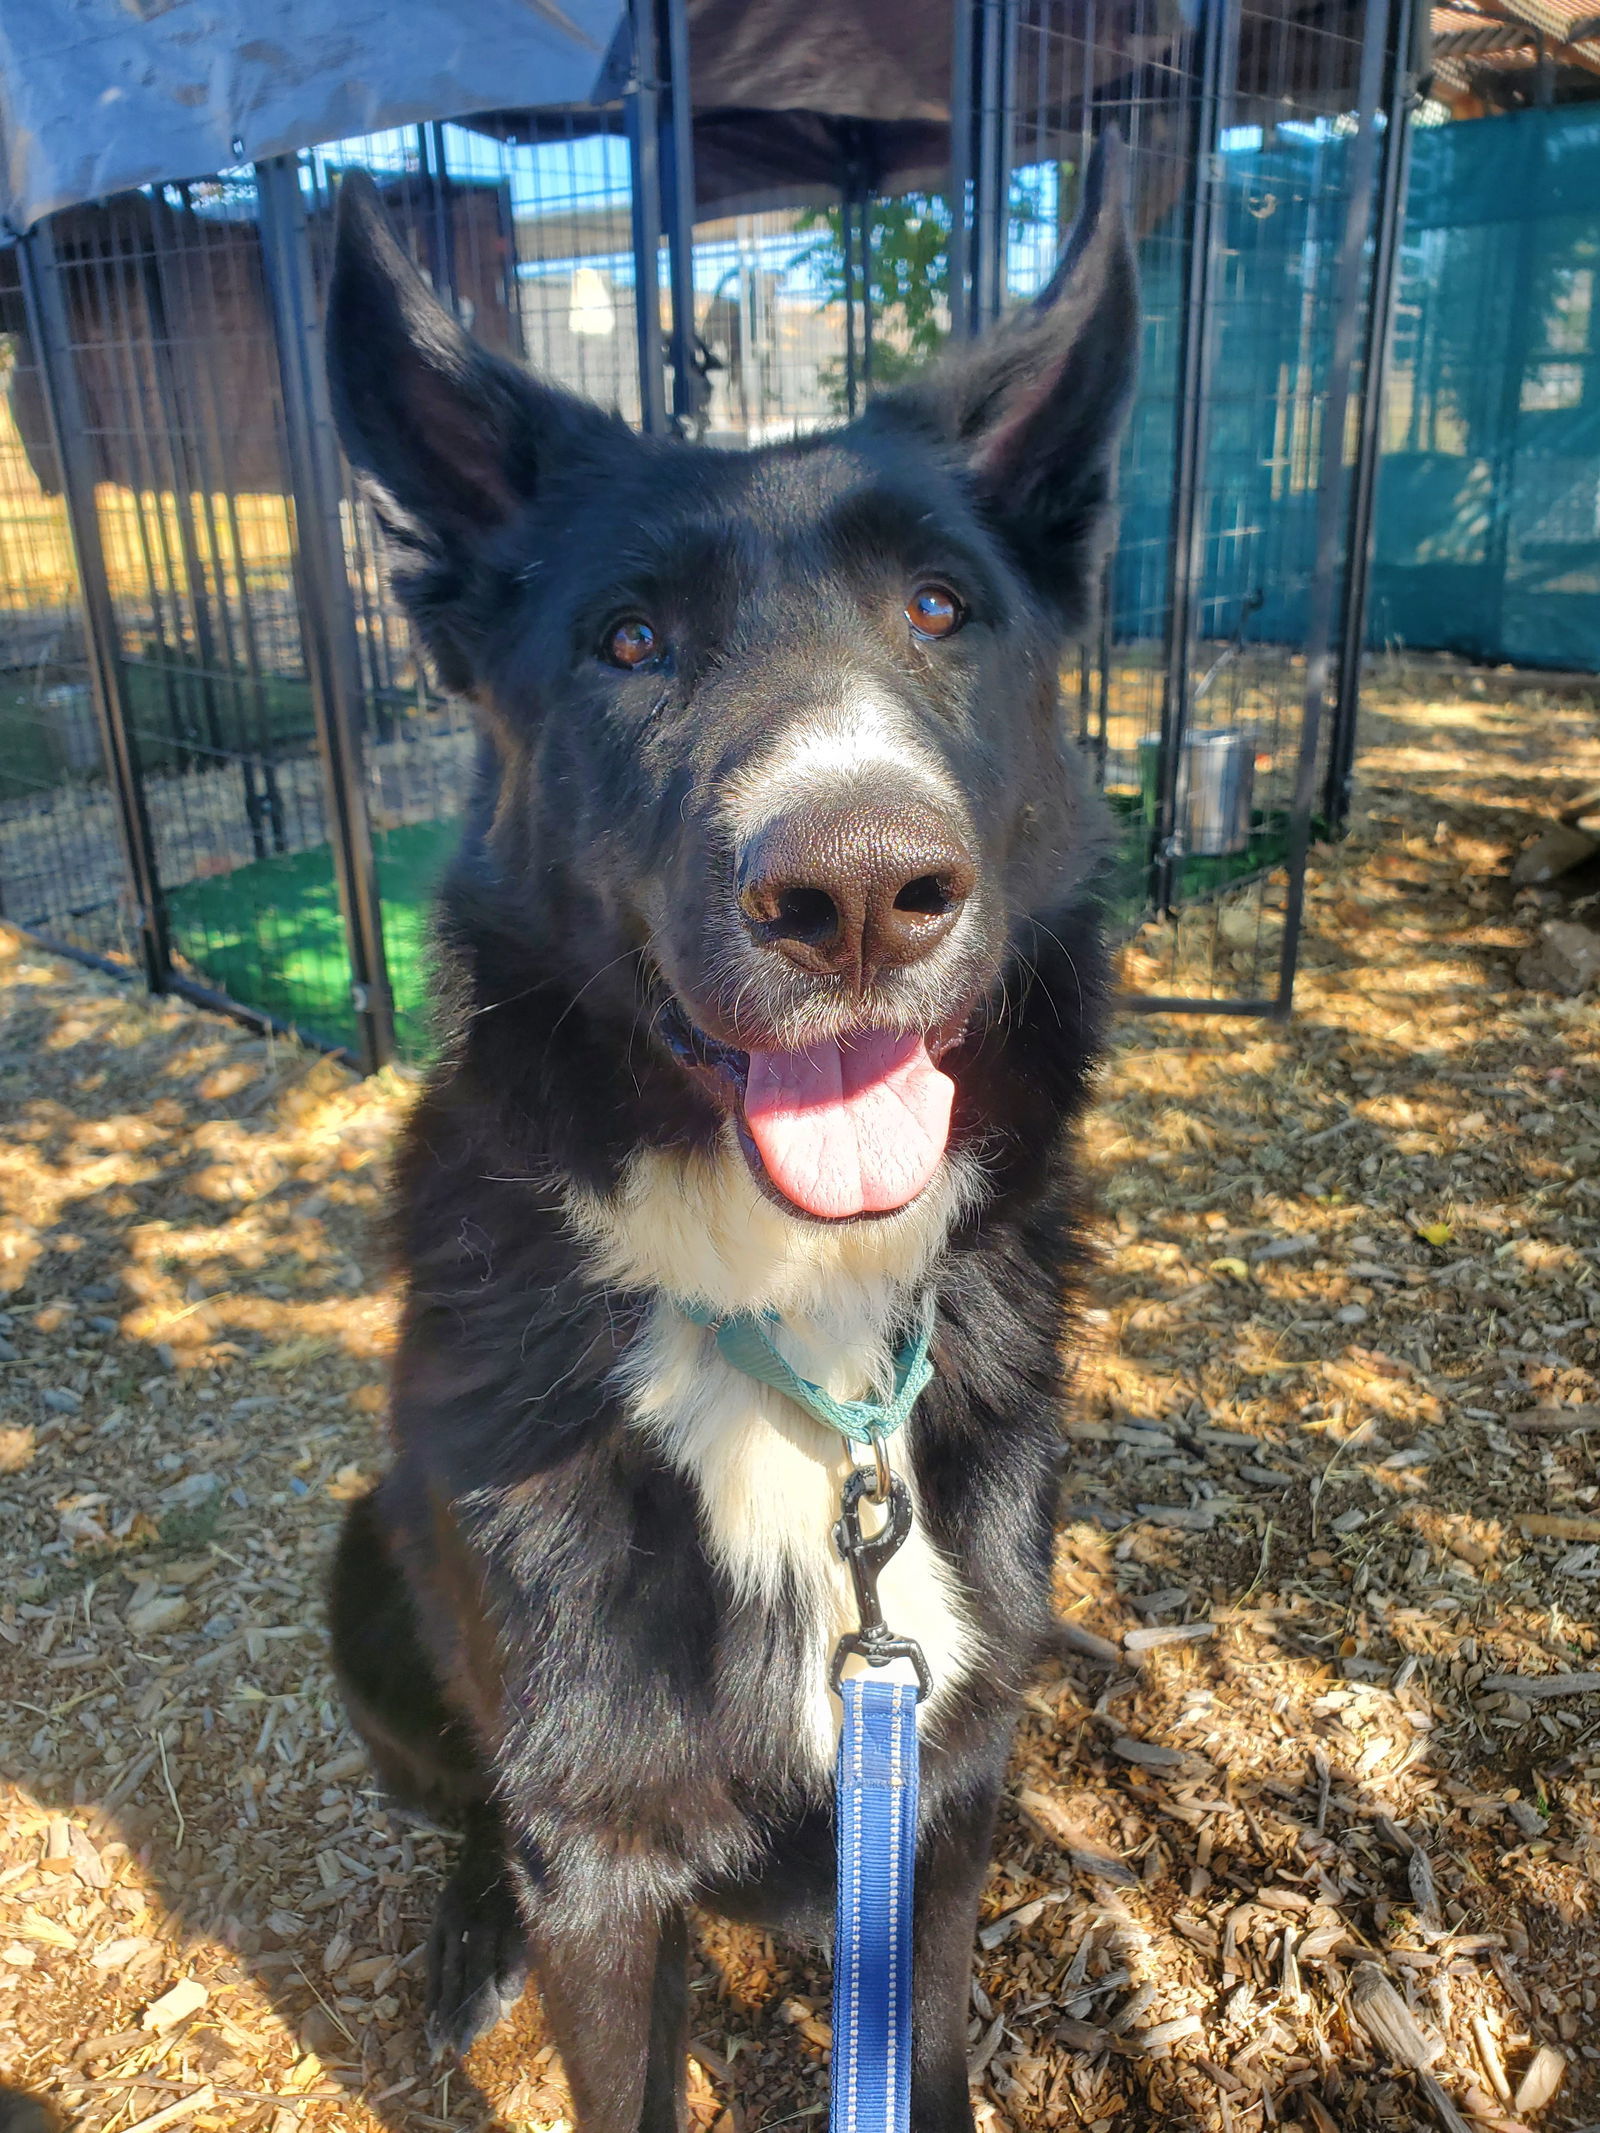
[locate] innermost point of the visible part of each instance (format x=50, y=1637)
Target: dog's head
x=780, y=754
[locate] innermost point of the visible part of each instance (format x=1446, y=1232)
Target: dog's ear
x=1036, y=407
x=452, y=441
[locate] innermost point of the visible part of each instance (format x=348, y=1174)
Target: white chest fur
x=767, y=1476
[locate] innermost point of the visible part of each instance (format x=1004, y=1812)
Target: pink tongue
x=849, y=1129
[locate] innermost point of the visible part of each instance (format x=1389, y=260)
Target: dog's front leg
x=617, y=2000
x=952, y=1860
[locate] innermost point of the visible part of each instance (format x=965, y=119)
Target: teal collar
x=743, y=1341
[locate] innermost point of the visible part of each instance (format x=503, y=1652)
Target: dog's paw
x=477, y=1967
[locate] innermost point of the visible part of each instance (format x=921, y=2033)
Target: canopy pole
x=962, y=32
x=995, y=94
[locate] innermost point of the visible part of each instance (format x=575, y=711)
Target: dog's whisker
x=593, y=979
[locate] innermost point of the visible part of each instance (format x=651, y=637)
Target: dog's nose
x=851, y=890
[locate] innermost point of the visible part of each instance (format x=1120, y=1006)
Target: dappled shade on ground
x=1316, y=1511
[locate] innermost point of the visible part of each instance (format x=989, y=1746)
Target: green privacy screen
x=1280, y=215
x=1488, y=507
x=1487, y=535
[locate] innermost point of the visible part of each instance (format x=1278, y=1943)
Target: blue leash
x=878, y=1771
x=876, y=1796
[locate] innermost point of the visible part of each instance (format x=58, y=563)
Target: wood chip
x=1424, y=1891
x=1182, y=1518
x=1162, y=2035
x=17, y=1448
x=1072, y=1637
x=1054, y=1824
x=33, y=1925
x=984, y=2050
x=185, y=2107
x=184, y=1999
x=1149, y=1640
x=1149, y=1753
x=1388, y=2021
x=87, y=1863
x=1025, y=1914
x=1489, y=2057
x=1545, y=2073
x=1390, y=2024
x=1556, y=1421
x=1538, y=1685
x=1082, y=2036
x=1547, y=1525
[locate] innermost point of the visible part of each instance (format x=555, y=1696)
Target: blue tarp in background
x=1282, y=223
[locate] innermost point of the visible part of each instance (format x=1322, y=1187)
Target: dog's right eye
x=632, y=643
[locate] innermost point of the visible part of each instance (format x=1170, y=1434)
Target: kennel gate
x=222, y=764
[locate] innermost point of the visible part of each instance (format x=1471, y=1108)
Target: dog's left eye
x=934, y=611
x=632, y=643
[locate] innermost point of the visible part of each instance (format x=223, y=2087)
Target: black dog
x=770, y=980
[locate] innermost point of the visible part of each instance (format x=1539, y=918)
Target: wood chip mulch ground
x=1304, y=1827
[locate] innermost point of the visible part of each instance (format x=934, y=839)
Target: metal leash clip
x=866, y=1554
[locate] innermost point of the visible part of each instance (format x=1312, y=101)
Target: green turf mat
x=270, y=934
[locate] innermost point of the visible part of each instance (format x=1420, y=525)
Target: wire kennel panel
x=161, y=336
x=1064, y=78
x=1255, y=143
x=63, y=872
x=286, y=786
x=523, y=224
x=1256, y=136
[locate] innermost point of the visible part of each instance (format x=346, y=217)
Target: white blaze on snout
x=834, y=746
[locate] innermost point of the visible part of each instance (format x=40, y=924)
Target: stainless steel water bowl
x=1216, y=785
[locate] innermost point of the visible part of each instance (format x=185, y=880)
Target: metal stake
x=677, y=206
x=1219, y=33
x=642, y=104
x=1331, y=493
x=1374, y=378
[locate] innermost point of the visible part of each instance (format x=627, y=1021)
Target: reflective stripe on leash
x=876, y=1798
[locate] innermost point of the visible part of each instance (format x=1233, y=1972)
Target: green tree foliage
x=909, y=276
x=909, y=270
